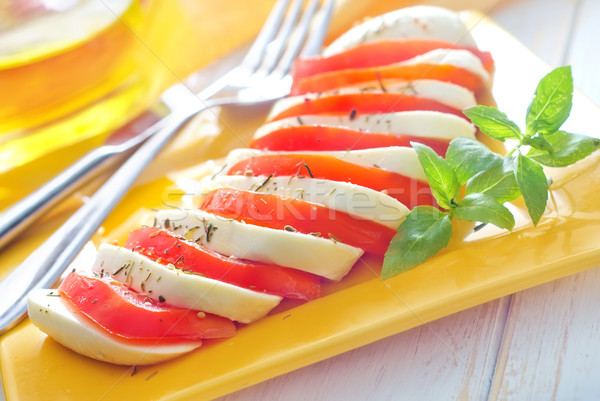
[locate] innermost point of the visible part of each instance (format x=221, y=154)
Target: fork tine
x=275, y=48
x=319, y=30
x=297, y=39
x=255, y=54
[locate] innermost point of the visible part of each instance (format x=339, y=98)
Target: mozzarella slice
x=424, y=124
x=444, y=92
x=360, y=202
x=397, y=159
x=52, y=315
x=182, y=289
x=425, y=22
x=459, y=58
x=324, y=257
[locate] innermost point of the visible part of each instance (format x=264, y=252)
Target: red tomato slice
x=378, y=53
x=321, y=137
x=409, y=191
x=134, y=317
x=292, y=214
x=165, y=247
x=365, y=103
x=338, y=79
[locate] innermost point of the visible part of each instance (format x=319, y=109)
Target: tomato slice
x=165, y=247
x=411, y=192
x=322, y=137
x=134, y=317
x=365, y=103
x=292, y=214
x=378, y=53
x=339, y=79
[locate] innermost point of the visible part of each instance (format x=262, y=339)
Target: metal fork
x=260, y=60
x=261, y=77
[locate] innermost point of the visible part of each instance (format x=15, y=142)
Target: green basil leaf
x=552, y=102
x=498, y=182
x=484, y=208
x=533, y=185
x=468, y=157
x=442, y=180
x=540, y=143
x=425, y=231
x=493, y=122
x=567, y=149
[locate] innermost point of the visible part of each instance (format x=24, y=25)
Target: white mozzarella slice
x=444, y=92
x=182, y=289
x=360, y=202
x=397, y=159
x=424, y=22
x=324, y=257
x=459, y=58
x=52, y=315
x=424, y=124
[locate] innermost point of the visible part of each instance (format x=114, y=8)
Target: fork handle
x=45, y=265
x=22, y=214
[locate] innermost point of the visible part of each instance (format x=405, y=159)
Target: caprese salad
x=329, y=176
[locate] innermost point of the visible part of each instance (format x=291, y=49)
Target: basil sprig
x=491, y=180
x=427, y=230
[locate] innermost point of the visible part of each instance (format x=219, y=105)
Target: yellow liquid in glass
x=58, y=102
x=55, y=64
x=65, y=78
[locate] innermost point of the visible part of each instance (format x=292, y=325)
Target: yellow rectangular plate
x=358, y=311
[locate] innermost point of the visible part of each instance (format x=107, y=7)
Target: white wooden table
x=539, y=344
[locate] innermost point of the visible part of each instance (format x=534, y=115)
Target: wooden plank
x=551, y=349
x=541, y=25
x=452, y=358
x=583, y=51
